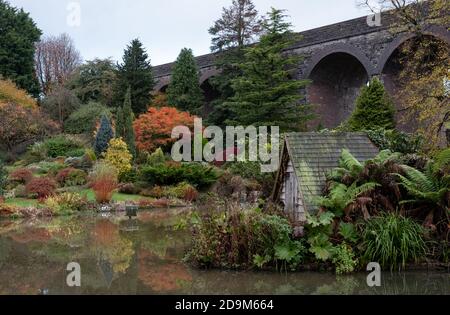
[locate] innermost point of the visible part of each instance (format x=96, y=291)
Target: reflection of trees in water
x=110, y=247
x=162, y=276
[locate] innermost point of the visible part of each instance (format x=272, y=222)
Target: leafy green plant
x=348, y=232
x=393, y=240
x=342, y=199
x=156, y=158
x=425, y=186
x=63, y=146
x=84, y=120
x=344, y=259
x=319, y=229
x=171, y=174
x=396, y=141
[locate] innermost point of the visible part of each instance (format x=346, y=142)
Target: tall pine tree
x=184, y=91
x=238, y=26
x=124, y=124
x=374, y=109
x=135, y=72
x=18, y=36
x=104, y=134
x=266, y=94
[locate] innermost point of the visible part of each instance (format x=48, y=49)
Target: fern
x=349, y=162
x=423, y=186
x=442, y=160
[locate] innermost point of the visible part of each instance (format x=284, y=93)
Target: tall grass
x=393, y=240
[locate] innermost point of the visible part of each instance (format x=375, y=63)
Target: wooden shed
x=306, y=160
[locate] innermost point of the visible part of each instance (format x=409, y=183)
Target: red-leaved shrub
x=63, y=174
x=21, y=175
x=103, y=181
x=190, y=194
x=42, y=187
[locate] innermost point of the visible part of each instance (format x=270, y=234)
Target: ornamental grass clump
x=104, y=181
x=393, y=241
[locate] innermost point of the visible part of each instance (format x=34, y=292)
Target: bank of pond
x=146, y=255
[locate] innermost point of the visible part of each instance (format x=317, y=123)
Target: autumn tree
x=135, y=72
x=124, y=124
x=238, y=26
x=22, y=126
x=266, y=93
x=154, y=128
x=18, y=36
x=94, y=81
x=56, y=58
x=184, y=91
x=21, y=120
x=423, y=62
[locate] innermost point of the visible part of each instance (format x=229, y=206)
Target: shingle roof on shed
x=315, y=154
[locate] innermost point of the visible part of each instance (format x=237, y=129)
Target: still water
x=144, y=255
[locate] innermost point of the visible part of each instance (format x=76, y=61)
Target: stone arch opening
x=210, y=94
x=336, y=81
x=394, y=64
x=163, y=89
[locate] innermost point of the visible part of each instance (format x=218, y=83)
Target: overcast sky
x=164, y=26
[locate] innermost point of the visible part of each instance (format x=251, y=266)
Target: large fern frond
x=354, y=191
x=416, y=180
x=349, y=162
x=442, y=160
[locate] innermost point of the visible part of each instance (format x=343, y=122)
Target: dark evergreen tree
x=266, y=94
x=124, y=124
x=374, y=109
x=104, y=135
x=135, y=72
x=184, y=91
x=238, y=26
x=18, y=36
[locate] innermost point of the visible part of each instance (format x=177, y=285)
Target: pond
x=144, y=255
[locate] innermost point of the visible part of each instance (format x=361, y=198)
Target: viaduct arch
x=339, y=59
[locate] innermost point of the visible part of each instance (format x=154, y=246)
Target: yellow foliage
x=119, y=156
x=10, y=93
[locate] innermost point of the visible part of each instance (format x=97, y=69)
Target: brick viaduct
x=339, y=59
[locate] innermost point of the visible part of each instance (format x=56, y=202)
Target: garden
x=87, y=152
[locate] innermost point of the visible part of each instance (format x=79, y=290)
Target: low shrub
x=393, y=241
x=244, y=238
x=41, y=188
x=169, y=174
x=21, y=175
x=128, y=189
x=76, y=178
x=67, y=203
x=156, y=158
x=84, y=120
x=20, y=191
x=104, y=181
x=396, y=141
x=48, y=168
x=63, y=145
x=251, y=171
x=62, y=175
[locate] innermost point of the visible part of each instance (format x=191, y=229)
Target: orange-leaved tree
x=154, y=128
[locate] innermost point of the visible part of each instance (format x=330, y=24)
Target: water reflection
x=143, y=255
